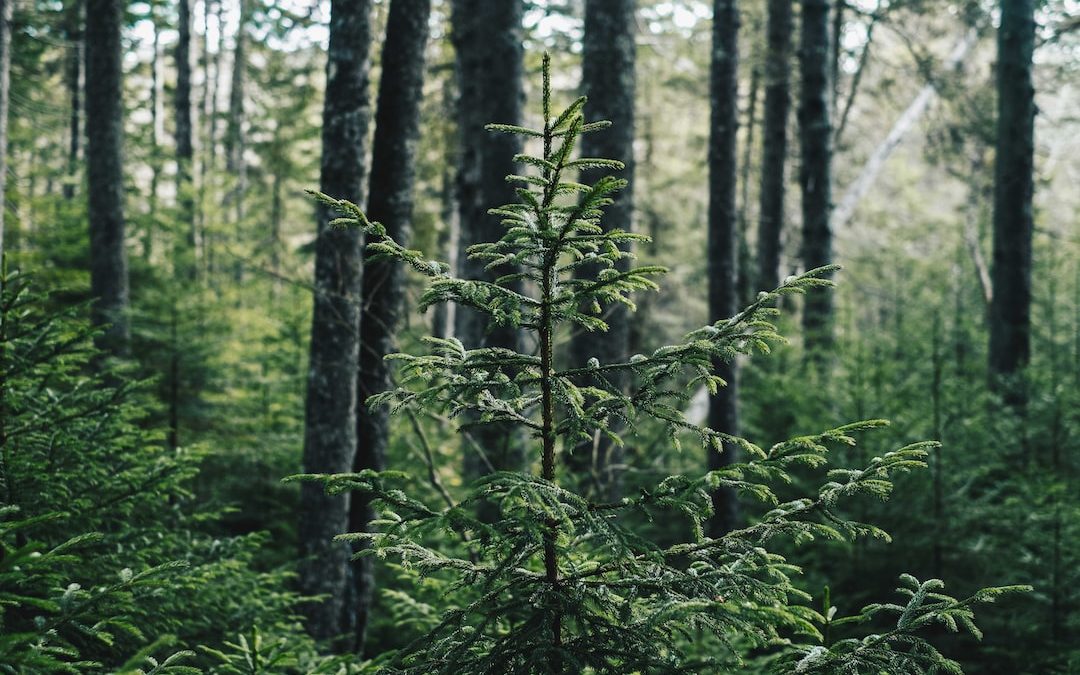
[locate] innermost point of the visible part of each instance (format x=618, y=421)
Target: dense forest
x=539, y=336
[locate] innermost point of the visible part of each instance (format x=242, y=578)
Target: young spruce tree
x=559, y=583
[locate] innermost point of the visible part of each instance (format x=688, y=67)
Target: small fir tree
x=561, y=583
x=107, y=562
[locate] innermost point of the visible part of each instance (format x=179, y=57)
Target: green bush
x=104, y=559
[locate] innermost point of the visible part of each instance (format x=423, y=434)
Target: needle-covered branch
x=557, y=582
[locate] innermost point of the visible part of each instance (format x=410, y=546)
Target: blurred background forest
x=220, y=110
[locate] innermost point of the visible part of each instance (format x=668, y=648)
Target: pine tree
x=774, y=143
x=1010, y=308
x=235, y=132
x=723, y=258
x=487, y=39
x=73, y=75
x=330, y=413
x=561, y=583
x=185, y=258
x=815, y=170
x=393, y=168
x=105, y=172
x=5, y=98
x=107, y=563
x=607, y=79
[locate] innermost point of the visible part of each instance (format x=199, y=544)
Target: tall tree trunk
x=1010, y=308
x=186, y=258
x=608, y=78
x=774, y=143
x=277, y=215
x=723, y=238
x=746, y=291
x=105, y=173
x=393, y=169
x=235, y=141
x=450, y=234
x=330, y=422
x=835, y=53
x=215, y=89
x=5, y=97
x=156, y=119
x=487, y=38
x=73, y=71
x=815, y=173
x=202, y=132
x=212, y=236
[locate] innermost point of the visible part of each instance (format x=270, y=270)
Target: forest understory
x=539, y=336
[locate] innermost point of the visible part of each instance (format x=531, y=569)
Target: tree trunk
x=723, y=238
x=856, y=79
x=450, y=234
x=156, y=118
x=277, y=215
x=746, y=292
x=215, y=89
x=393, y=169
x=836, y=53
x=774, y=143
x=815, y=174
x=202, y=132
x=487, y=38
x=186, y=255
x=607, y=78
x=5, y=96
x=105, y=173
x=212, y=235
x=330, y=421
x=1010, y=308
x=235, y=141
x=73, y=76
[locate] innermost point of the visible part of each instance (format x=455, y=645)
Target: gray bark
x=723, y=238
x=815, y=173
x=211, y=236
x=837, y=51
x=450, y=234
x=235, y=140
x=1010, y=308
x=73, y=71
x=608, y=79
x=105, y=173
x=330, y=414
x=774, y=143
x=156, y=117
x=393, y=169
x=745, y=286
x=487, y=38
x=185, y=254
x=5, y=95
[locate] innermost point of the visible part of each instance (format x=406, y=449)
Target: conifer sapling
x=560, y=583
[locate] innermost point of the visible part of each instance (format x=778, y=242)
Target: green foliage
x=560, y=583
x=104, y=559
x=900, y=649
x=45, y=617
x=255, y=654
